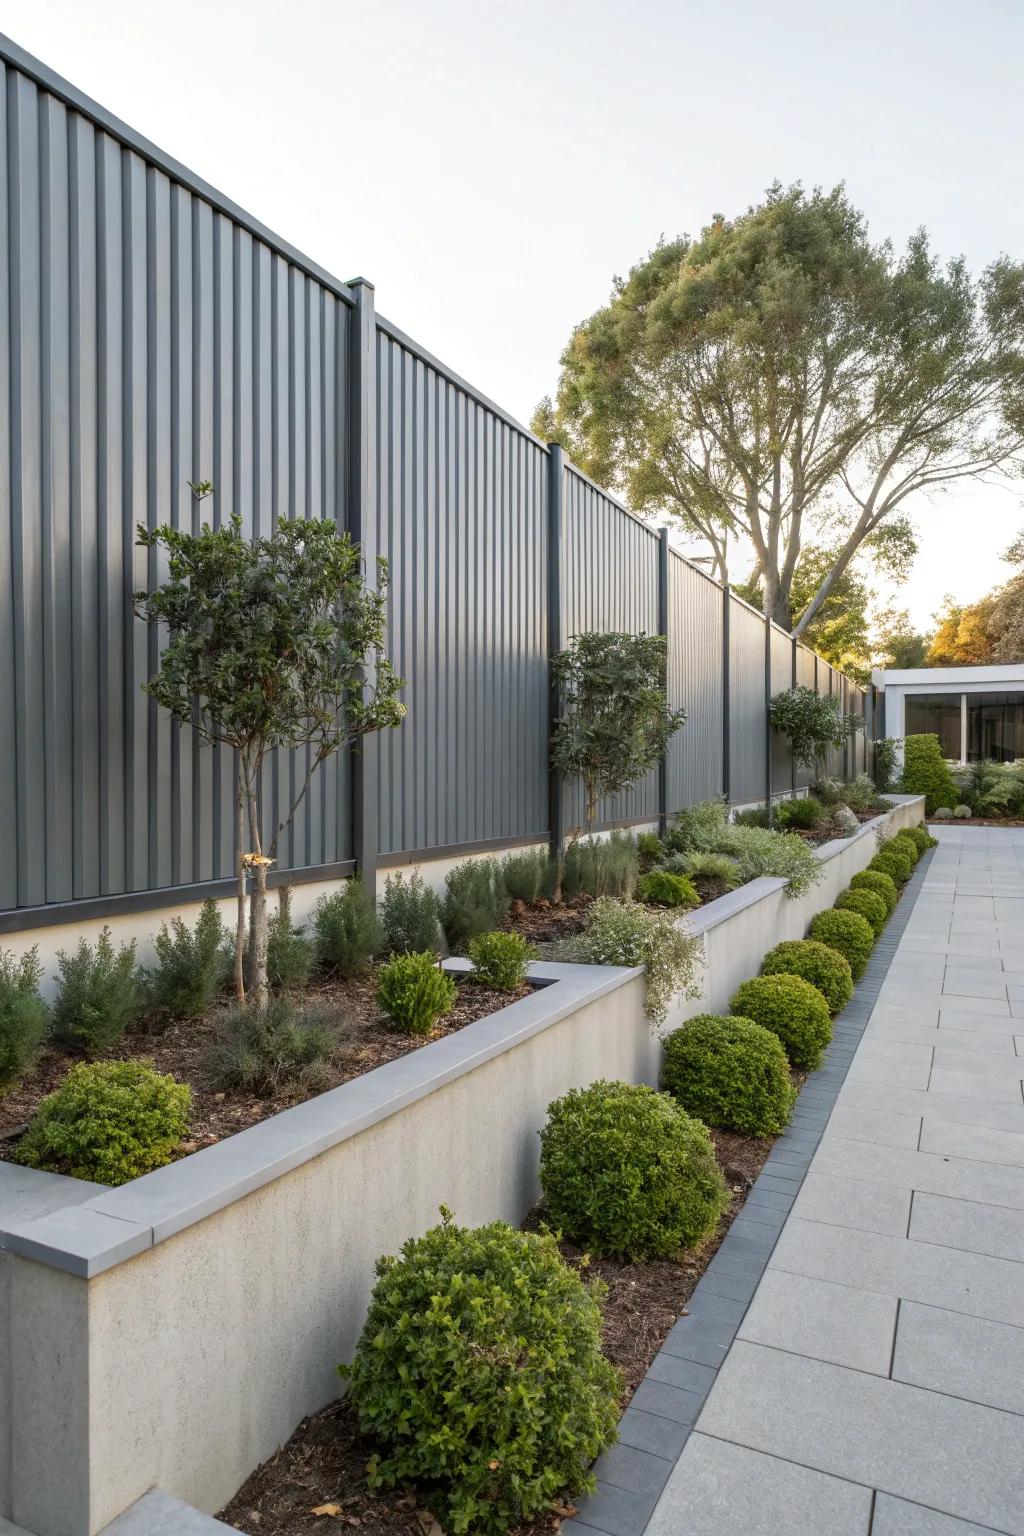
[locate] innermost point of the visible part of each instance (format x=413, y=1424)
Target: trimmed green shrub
x=962, y=812
x=942, y=813
x=97, y=995
x=415, y=992
x=480, y=1377
x=626, y=1171
x=926, y=772
x=626, y=933
x=109, y=1121
x=881, y=885
x=894, y=861
x=289, y=952
x=191, y=967
x=601, y=867
x=823, y=967
x=791, y=1008
x=23, y=1014
x=346, y=931
x=752, y=816
x=847, y=932
x=905, y=840
x=729, y=1072
x=501, y=960
x=804, y=812
x=410, y=915
x=650, y=849
x=262, y=1050
x=868, y=903
x=698, y=828
x=475, y=901
x=662, y=889
x=526, y=874
x=860, y=794
x=922, y=838
x=706, y=866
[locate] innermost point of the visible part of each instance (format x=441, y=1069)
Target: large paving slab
x=871, y=1376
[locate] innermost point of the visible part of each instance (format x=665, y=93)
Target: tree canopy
x=990, y=630
x=784, y=380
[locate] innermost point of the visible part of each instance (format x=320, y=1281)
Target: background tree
x=897, y=643
x=271, y=642
x=962, y=634
x=841, y=629
x=784, y=379
x=614, y=723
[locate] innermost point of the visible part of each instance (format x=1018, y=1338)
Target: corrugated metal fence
x=152, y=333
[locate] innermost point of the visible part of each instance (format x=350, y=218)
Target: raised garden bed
x=324, y=1462
x=365, y=1040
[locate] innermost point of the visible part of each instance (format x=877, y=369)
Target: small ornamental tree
x=271, y=642
x=614, y=723
x=813, y=722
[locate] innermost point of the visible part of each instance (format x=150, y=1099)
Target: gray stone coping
x=656, y=1425
x=120, y=1223
x=157, y=1514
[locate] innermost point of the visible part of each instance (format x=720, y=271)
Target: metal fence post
x=663, y=630
x=793, y=678
x=362, y=522
x=556, y=538
x=768, y=744
x=726, y=745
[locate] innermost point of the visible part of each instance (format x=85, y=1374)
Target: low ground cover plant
x=475, y=901
x=98, y=995
x=992, y=790
x=718, y=867
x=849, y=933
x=882, y=885
x=729, y=1072
x=480, y=1377
x=501, y=960
x=823, y=967
x=861, y=794
x=705, y=828
x=650, y=849
x=260, y=1050
x=414, y=992
x=289, y=952
x=410, y=915
x=791, y=1008
x=660, y=888
x=110, y=1121
x=24, y=1017
x=192, y=966
x=868, y=903
x=347, y=933
x=804, y=812
x=626, y=1171
x=926, y=772
x=627, y=933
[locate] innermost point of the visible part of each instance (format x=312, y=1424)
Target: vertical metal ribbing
x=768, y=714
x=793, y=676
x=363, y=525
x=556, y=542
x=663, y=607
x=726, y=745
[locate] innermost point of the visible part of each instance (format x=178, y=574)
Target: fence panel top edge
x=54, y=85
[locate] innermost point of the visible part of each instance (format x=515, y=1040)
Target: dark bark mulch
x=324, y=1462
x=365, y=1040
x=973, y=821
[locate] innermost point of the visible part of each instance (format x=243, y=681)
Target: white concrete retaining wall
x=173, y=1332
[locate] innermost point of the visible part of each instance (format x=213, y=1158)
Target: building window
x=995, y=727
x=934, y=714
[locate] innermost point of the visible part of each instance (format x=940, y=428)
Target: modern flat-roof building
x=976, y=712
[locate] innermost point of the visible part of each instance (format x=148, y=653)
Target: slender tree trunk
x=258, y=908
x=240, y=923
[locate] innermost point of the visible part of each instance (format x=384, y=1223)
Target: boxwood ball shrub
x=922, y=838
x=849, y=933
x=824, y=968
x=791, y=1008
x=868, y=903
x=962, y=812
x=110, y=1121
x=23, y=1014
x=661, y=889
x=626, y=1171
x=480, y=1377
x=904, y=840
x=729, y=1072
x=415, y=992
x=501, y=960
x=882, y=885
x=894, y=861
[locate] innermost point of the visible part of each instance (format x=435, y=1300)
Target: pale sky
x=490, y=167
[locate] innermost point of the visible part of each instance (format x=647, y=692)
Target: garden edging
x=172, y=1333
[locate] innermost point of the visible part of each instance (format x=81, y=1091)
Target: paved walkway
x=876, y=1383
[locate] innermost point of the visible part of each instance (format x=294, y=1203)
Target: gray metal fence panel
x=782, y=678
x=805, y=675
x=149, y=340
x=695, y=683
x=462, y=508
x=609, y=582
x=748, y=712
